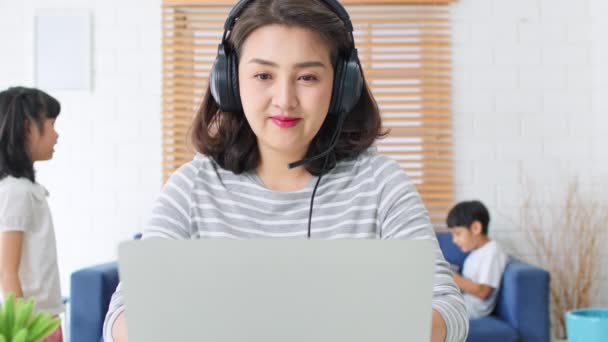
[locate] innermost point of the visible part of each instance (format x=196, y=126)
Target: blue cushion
x=491, y=329
x=451, y=252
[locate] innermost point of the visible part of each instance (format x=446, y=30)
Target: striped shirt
x=367, y=197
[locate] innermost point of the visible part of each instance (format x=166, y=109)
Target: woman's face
x=285, y=83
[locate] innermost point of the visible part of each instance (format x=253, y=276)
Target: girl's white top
x=23, y=207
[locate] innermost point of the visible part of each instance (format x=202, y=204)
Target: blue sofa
x=521, y=314
x=522, y=309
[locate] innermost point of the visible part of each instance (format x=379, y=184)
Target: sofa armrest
x=91, y=290
x=523, y=301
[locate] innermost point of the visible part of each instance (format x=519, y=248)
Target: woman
x=287, y=87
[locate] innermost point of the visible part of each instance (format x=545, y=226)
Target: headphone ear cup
x=218, y=78
x=348, y=84
x=336, y=92
x=352, y=84
x=223, y=82
x=235, y=103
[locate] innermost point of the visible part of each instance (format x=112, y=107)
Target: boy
x=483, y=267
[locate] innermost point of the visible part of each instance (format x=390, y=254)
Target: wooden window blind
x=404, y=49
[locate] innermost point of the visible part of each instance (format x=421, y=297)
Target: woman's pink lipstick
x=285, y=121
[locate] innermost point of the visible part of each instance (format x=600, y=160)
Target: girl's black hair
x=18, y=107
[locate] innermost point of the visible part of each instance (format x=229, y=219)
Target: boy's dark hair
x=465, y=213
x=227, y=137
x=18, y=107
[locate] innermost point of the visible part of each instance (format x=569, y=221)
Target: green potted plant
x=18, y=323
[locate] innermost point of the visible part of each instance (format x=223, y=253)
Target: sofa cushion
x=491, y=329
x=451, y=252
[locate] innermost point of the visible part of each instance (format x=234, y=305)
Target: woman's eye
x=263, y=77
x=309, y=78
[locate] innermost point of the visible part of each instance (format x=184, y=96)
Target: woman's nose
x=285, y=95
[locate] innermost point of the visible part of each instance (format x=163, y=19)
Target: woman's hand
x=119, y=329
x=438, y=332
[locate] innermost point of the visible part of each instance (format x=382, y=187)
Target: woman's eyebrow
x=307, y=64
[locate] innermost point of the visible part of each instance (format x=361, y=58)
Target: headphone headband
x=334, y=4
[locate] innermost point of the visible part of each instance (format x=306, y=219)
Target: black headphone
x=348, y=80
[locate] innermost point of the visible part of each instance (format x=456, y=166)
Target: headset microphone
x=333, y=142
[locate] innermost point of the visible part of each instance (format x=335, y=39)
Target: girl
x=28, y=257
x=287, y=89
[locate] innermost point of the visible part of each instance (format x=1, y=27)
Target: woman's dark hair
x=227, y=137
x=465, y=213
x=18, y=107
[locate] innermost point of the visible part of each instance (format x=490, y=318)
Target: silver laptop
x=222, y=290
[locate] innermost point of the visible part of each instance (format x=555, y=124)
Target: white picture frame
x=62, y=39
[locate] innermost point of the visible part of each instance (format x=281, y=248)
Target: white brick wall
x=535, y=115
x=599, y=133
x=106, y=170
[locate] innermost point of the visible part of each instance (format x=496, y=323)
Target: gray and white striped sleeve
x=170, y=219
x=403, y=216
